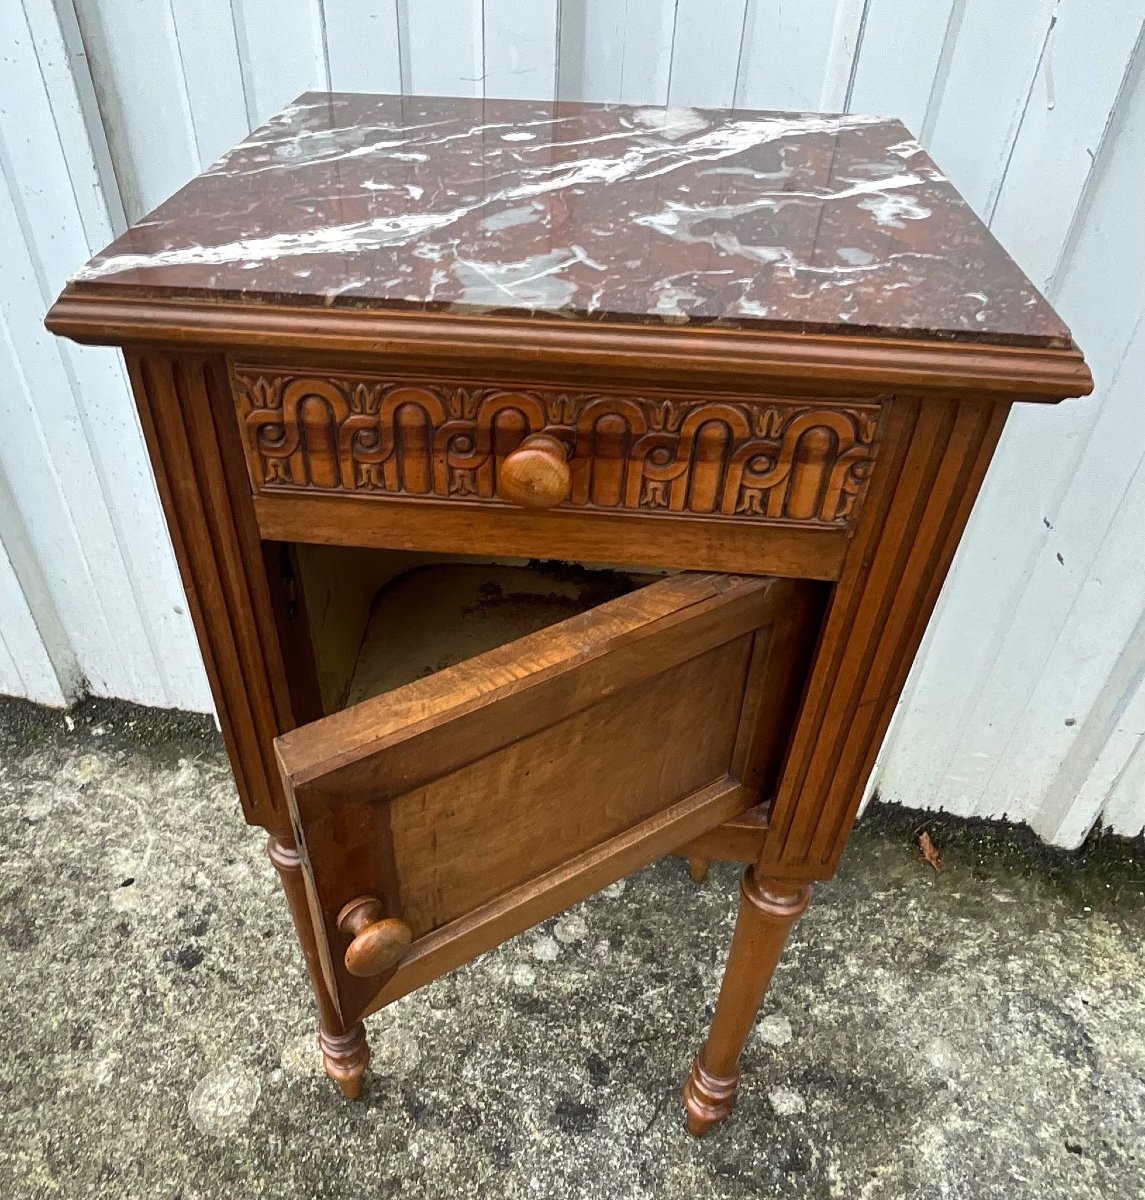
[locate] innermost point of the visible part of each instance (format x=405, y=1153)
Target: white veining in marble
x=659, y=213
x=532, y=282
x=687, y=141
x=893, y=210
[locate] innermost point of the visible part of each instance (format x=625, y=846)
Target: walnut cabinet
x=557, y=487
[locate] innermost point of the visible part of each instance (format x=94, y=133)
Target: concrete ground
x=978, y=1032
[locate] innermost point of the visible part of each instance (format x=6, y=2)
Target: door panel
x=525, y=808
x=479, y=800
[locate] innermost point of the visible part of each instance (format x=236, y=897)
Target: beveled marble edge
x=733, y=358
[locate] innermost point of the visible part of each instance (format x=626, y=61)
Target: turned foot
x=768, y=909
x=346, y=1056
x=698, y=869
x=708, y=1099
x=344, y=1053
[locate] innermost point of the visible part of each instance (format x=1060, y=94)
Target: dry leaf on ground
x=929, y=850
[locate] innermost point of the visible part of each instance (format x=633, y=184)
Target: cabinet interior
x=379, y=619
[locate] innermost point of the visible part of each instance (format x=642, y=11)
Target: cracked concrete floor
x=974, y=1033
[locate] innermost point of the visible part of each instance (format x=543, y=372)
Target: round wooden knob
x=379, y=941
x=536, y=474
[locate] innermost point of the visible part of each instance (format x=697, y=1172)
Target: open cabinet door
x=442, y=817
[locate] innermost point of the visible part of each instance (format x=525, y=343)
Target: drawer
x=449, y=811
x=788, y=461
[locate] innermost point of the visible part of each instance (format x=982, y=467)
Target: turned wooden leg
x=768, y=909
x=345, y=1056
x=345, y=1051
x=698, y=868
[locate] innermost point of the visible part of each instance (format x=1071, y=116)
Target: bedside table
x=556, y=487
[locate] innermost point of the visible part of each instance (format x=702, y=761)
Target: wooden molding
x=688, y=543
x=492, y=923
x=598, y=351
x=738, y=840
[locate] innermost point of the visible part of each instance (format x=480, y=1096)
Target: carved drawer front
x=761, y=459
x=442, y=816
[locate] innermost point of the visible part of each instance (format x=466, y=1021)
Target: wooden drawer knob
x=379, y=941
x=536, y=474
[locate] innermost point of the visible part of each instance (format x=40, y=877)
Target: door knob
x=536, y=474
x=379, y=941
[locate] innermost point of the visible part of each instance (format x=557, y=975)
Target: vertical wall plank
x=1094, y=668
x=1081, y=75
x=1124, y=812
x=134, y=55
x=25, y=668
x=67, y=86
x=616, y=52
x=592, y=50
x=72, y=454
x=1049, y=557
x=571, y=34
x=36, y=657
x=1076, y=642
x=898, y=58
x=977, y=106
x=521, y=48
x=208, y=51
x=281, y=51
x=648, y=32
x=46, y=462
x=839, y=67
x=706, y=52
x=444, y=42
x=363, y=42
x=797, y=53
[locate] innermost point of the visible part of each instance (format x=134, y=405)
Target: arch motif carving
x=767, y=459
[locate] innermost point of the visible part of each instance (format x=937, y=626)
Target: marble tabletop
x=791, y=221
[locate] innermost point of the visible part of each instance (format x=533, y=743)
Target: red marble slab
x=789, y=221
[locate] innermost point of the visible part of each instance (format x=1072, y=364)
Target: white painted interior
x=1029, y=697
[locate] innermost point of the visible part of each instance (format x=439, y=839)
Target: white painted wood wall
x=1029, y=698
